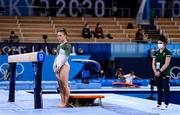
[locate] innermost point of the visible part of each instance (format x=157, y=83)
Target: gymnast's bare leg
x=63, y=77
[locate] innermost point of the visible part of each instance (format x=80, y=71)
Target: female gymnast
x=61, y=67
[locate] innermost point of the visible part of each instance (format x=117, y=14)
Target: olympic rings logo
x=6, y=49
x=4, y=70
x=175, y=72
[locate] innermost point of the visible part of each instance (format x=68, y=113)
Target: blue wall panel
x=139, y=50
x=98, y=51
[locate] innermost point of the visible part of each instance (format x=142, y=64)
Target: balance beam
x=85, y=99
x=27, y=57
x=37, y=58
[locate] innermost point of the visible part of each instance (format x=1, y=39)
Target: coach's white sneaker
x=158, y=107
x=165, y=107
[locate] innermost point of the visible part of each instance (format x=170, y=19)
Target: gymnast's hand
x=55, y=68
x=157, y=73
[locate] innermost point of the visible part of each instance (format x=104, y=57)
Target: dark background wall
x=141, y=66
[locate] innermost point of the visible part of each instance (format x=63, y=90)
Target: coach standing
x=160, y=64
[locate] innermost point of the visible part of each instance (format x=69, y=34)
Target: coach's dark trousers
x=163, y=88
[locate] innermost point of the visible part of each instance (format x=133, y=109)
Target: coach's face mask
x=160, y=45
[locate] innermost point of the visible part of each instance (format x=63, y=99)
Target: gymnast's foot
x=62, y=106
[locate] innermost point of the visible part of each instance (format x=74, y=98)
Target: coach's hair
x=163, y=38
x=64, y=31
